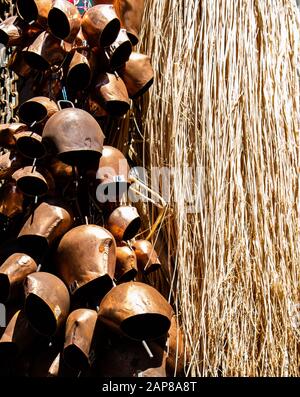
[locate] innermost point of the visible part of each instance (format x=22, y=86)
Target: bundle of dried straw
x=225, y=105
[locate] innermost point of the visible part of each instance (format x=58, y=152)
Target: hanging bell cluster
x=73, y=272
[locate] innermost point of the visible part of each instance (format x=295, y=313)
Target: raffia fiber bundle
x=226, y=101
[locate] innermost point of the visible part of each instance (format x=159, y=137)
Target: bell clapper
x=38, y=270
x=147, y=349
x=86, y=220
x=33, y=124
x=33, y=165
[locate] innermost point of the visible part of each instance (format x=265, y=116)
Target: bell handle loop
x=65, y=101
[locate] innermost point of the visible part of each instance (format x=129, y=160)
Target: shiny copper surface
x=100, y=25
x=126, y=265
x=119, y=51
x=137, y=74
x=47, y=302
x=79, y=333
x=147, y=258
x=64, y=20
x=80, y=71
x=12, y=273
x=61, y=172
x=31, y=181
x=49, y=221
x=75, y=135
x=34, y=10
x=11, y=199
x=44, y=52
x=10, y=33
x=113, y=94
x=38, y=109
x=124, y=223
x=86, y=258
x=136, y=310
x=30, y=145
x=131, y=14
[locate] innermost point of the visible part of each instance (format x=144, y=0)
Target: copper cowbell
x=124, y=223
x=7, y=132
x=113, y=175
x=131, y=14
x=37, y=110
x=34, y=10
x=11, y=200
x=119, y=51
x=45, y=51
x=49, y=222
x=100, y=25
x=136, y=310
x=80, y=71
x=33, y=181
x=137, y=74
x=64, y=20
x=47, y=302
x=126, y=265
x=75, y=136
x=86, y=258
x=30, y=145
x=10, y=32
x=12, y=273
x=79, y=335
x=113, y=94
x=147, y=258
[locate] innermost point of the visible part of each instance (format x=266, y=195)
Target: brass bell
x=64, y=20
x=79, y=334
x=124, y=223
x=136, y=310
x=147, y=257
x=47, y=302
x=100, y=25
x=12, y=273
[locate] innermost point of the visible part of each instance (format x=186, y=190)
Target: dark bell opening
x=3, y=38
x=58, y=23
x=152, y=268
x=79, y=77
x=121, y=55
x=27, y=10
x=143, y=89
x=94, y=291
x=8, y=351
x=146, y=326
x=4, y=288
x=40, y=315
x=128, y=276
x=33, y=245
x=35, y=61
x=32, y=186
x=75, y=358
x=32, y=111
x=117, y=108
x=81, y=158
x=30, y=147
x=132, y=229
x=110, y=32
x=132, y=37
